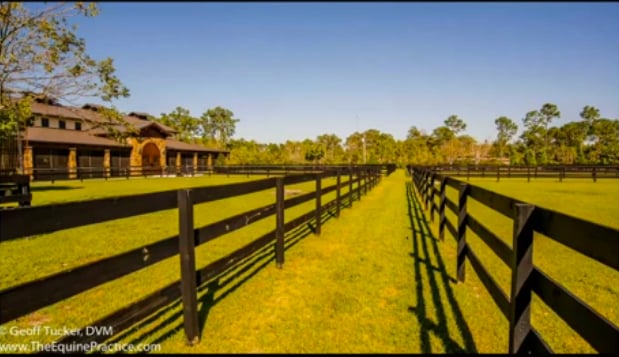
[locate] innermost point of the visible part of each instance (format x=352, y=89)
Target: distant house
x=62, y=137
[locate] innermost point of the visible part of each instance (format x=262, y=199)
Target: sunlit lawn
x=593, y=282
x=26, y=259
x=376, y=279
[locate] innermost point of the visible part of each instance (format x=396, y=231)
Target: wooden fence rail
x=593, y=240
x=82, y=173
x=557, y=171
x=28, y=297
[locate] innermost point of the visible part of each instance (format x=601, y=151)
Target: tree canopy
x=41, y=56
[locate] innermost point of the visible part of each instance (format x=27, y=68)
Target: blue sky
x=297, y=70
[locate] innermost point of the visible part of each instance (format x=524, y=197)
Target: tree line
x=590, y=140
x=41, y=56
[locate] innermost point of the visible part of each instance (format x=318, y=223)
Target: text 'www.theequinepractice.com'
x=35, y=346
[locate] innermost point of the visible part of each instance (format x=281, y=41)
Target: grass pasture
x=591, y=281
x=376, y=280
x=30, y=258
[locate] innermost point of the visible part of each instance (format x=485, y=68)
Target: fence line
x=595, y=241
x=500, y=171
x=28, y=297
x=82, y=173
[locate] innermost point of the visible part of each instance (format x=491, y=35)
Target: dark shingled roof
x=63, y=136
x=76, y=137
x=93, y=137
x=181, y=146
x=89, y=112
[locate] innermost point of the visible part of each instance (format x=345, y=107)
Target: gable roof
x=89, y=112
x=63, y=136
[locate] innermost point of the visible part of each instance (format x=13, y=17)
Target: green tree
x=590, y=115
x=218, y=122
x=536, y=133
x=416, y=149
x=441, y=135
x=331, y=146
x=548, y=112
x=455, y=124
x=506, y=130
x=41, y=56
x=313, y=151
x=606, y=148
x=180, y=119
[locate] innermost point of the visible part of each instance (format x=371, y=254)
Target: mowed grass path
x=365, y=285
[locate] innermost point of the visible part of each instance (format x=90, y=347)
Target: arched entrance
x=151, y=156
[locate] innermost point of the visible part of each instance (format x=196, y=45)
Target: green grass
x=74, y=190
x=36, y=257
x=375, y=280
x=591, y=281
x=353, y=289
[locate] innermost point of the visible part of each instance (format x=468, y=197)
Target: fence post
x=560, y=174
x=350, y=188
x=428, y=190
x=432, y=178
x=188, y=266
x=318, y=203
x=521, y=266
x=462, y=194
x=425, y=189
x=359, y=184
x=594, y=173
x=528, y=173
x=441, y=210
x=338, y=196
x=279, y=219
x=498, y=173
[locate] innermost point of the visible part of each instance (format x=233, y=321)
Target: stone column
x=106, y=162
x=72, y=163
x=135, y=160
x=163, y=157
x=195, y=162
x=27, y=164
x=178, y=162
x=209, y=161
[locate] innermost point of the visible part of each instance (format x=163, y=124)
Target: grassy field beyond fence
x=591, y=281
x=376, y=280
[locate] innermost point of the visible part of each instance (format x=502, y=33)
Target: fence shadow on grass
x=53, y=188
x=436, y=275
x=227, y=282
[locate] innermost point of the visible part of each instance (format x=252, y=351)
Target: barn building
x=78, y=140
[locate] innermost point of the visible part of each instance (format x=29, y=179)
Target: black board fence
x=82, y=173
x=23, y=299
x=593, y=240
x=559, y=172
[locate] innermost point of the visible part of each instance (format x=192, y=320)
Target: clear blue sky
x=297, y=70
